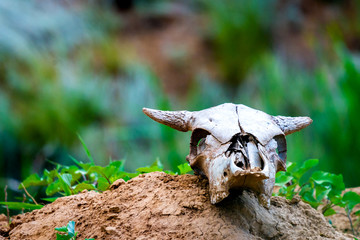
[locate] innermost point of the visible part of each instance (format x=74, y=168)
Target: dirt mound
x=161, y=206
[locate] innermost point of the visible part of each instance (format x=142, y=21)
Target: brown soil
x=161, y=206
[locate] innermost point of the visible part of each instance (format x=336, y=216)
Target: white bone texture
x=234, y=146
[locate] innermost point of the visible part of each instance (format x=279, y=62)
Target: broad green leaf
x=86, y=150
x=82, y=186
x=62, y=229
x=33, y=180
x=53, y=188
x=65, y=182
x=184, y=168
x=307, y=194
x=306, y=166
x=102, y=184
x=337, y=200
x=97, y=169
x=20, y=205
x=325, y=178
x=50, y=176
x=62, y=237
x=329, y=212
x=282, y=178
x=321, y=192
x=351, y=199
x=74, y=171
x=290, y=192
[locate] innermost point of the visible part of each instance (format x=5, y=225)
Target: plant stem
x=29, y=194
x=351, y=224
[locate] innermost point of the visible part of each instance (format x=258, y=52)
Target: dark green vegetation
x=69, y=69
x=68, y=180
x=320, y=189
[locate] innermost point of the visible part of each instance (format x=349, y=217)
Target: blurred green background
x=88, y=67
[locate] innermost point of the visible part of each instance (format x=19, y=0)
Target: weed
x=69, y=180
x=320, y=189
x=69, y=232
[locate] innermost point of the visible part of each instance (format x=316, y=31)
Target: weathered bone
x=292, y=124
x=178, y=120
x=234, y=146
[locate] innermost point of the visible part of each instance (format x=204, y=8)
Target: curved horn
x=292, y=124
x=178, y=120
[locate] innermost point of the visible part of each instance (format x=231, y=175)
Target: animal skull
x=234, y=146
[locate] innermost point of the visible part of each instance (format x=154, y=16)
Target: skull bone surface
x=234, y=146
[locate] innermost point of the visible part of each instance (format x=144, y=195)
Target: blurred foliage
x=65, y=69
x=240, y=32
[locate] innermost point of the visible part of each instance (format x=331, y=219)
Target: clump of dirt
x=162, y=206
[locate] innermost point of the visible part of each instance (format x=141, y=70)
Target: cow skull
x=234, y=146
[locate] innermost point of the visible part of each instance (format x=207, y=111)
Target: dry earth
x=161, y=206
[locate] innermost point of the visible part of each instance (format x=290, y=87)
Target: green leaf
x=62, y=237
x=290, y=192
x=306, y=166
x=336, y=199
x=74, y=171
x=20, y=205
x=71, y=228
x=102, y=184
x=82, y=186
x=53, y=188
x=62, y=229
x=50, y=176
x=84, y=166
x=282, y=178
x=184, y=168
x=329, y=212
x=351, y=199
x=321, y=192
x=52, y=199
x=65, y=182
x=321, y=177
x=149, y=169
x=86, y=150
x=33, y=180
x=307, y=195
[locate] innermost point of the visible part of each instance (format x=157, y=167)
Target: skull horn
x=292, y=124
x=178, y=120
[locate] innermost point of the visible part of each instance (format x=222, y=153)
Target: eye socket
x=197, y=143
